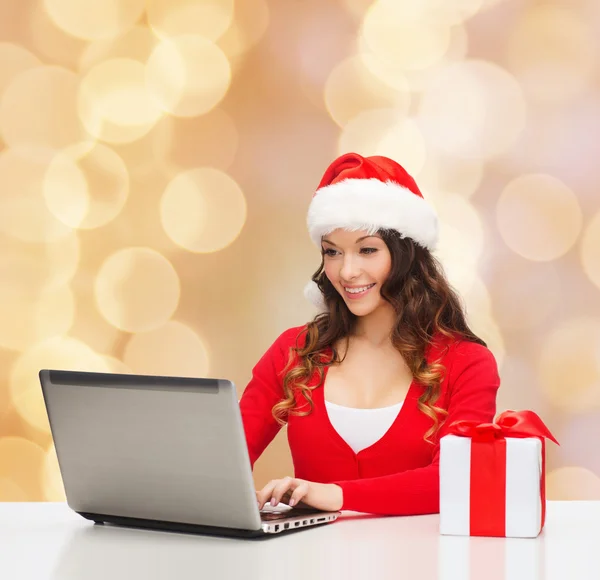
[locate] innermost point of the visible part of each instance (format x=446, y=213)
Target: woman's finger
x=284, y=485
x=300, y=491
x=265, y=494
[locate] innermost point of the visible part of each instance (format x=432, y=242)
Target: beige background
x=157, y=160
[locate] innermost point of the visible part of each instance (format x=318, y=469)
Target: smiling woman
x=343, y=275
x=368, y=387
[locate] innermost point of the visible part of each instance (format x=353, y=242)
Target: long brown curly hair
x=426, y=306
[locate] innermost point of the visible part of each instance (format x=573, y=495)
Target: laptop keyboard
x=269, y=517
x=282, y=511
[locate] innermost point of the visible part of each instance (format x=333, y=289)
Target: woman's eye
x=332, y=252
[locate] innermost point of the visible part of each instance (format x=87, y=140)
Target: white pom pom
x=314, y=295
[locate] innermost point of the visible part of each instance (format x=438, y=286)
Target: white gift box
x=524, y=493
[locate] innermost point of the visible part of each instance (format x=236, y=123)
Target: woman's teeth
x=359, y=291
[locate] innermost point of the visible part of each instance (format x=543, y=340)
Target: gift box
x=493, y=477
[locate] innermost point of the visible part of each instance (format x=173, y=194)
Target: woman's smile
x=355, y=293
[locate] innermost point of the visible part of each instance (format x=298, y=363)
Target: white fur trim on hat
x=371, y=204
x=314, y=295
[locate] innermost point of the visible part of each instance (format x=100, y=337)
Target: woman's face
x=357, y=264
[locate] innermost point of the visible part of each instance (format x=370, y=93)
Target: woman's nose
x=349, y=269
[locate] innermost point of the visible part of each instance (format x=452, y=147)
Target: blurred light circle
x=117, y=366
x=180, y=142
x=22, y=462
x=140, y=156
x=14, y=59
x=94, y=19
x=457, y=49
x=189, y=75
x=203, y=210
x=136, y=44
x=114, y=103
x=460, y=242
x=460, y=176
x=405, y=141
x=248, y=28
x=52, y=314
x=545, y=144
x=406, y=33
x=477, y=301
x=476, y=297
x=428, y=179
x=38, y=109
x=137, y=289
x=27, y=267
x=421, y=79
x=390, y=74
x=485, y=326
x=450, y=13
x=385, y=132
x=590, y=250
x=520, y=385
x=86, y=185
x=455, y=12
x=89, y=325
x=538, y=217
x=48, y=40
x=23, y=211
x=553, y=52
x=418, y=80
x=317, y=47
x=572, y=483
x=351, y=88
x=65, y=190
x=473, y=109
x=208, y=18
x=569, y=365
x=452, y=174
x=28, y=316
x=60, y=260
x=525, y=294
x=52, y=482
x=146, y=191
x=491, y=3
x=574, y=436
x=20, y=268
x=61, y=352
x=357, y=8
x=145, y=353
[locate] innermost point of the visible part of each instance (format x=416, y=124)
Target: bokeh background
x=157, y=158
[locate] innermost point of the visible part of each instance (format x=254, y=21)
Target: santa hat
x=368, y=193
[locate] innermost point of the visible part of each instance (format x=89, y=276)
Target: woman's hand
x=301, y=493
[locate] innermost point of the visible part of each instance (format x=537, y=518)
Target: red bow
x=508, y=424
x=488, y=466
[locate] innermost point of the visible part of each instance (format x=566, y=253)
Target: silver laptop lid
x=162, y=448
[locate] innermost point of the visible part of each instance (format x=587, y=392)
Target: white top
x=48, y=541
x=360, y=428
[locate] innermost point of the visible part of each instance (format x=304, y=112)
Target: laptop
x=157, y=452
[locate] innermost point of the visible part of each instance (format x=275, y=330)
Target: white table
x=48, y=541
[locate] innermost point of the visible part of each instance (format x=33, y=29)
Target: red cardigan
x=398, y=474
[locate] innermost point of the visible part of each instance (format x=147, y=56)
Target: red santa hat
x=368, y=193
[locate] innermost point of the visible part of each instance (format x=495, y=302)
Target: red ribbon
x=488, y=466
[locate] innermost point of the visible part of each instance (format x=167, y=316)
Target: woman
x=371, y=384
